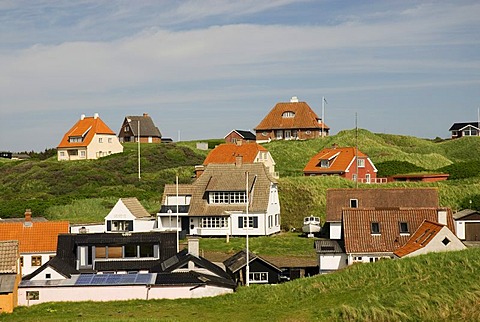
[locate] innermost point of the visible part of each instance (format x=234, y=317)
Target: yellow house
x=10, y=275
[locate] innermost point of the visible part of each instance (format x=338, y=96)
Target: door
x=367, y=178
x=472, y=231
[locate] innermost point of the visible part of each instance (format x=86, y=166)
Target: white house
x=331, y=255
x=467, y=224
x=89, y=138
x=219, y=202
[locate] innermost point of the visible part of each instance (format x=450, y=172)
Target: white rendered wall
x=335, y=230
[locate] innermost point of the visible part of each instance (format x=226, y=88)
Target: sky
x=202, y=68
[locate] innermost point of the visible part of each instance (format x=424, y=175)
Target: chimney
x=28, y=215
x=95, y=116
x=193, y=249
x=294, y=99
x=238, y=160
x=82, y=117
x=199, y=169
x=145, y=114
x=442, y=216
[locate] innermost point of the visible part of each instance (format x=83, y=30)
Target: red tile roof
x=422, y=236
x=35, y=238
x=305, y=118
x=227, y=152
x=357, y=227
x=340, y=160
x=86, y=128
x=337, y=199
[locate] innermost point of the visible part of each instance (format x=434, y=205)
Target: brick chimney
x=145, y=114
x=199, y=169
x=238, y=160
x=28, y=215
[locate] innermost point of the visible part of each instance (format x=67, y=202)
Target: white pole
x=248, y=225
x=178, y=242
x=138, y=122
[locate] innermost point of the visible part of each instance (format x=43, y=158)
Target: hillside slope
x=433, y=287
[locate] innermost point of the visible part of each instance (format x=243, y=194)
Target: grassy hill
x=433, y=287
x=84, y=191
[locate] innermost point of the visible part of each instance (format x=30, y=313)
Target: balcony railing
x=173, y=208
x=373, y=180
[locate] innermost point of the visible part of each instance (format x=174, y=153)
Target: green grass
x=433, y=287
x=282, y=244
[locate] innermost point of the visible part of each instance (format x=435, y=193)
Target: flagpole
x=178, y=241
x=138, y=123
x=248, y=225
x=323, y=115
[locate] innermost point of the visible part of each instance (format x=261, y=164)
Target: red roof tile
x=227, y=152
x=340, y=160
x=86, y=128
x=357, y=227
x=35, y=238
x=422, y=236
x=304, y=118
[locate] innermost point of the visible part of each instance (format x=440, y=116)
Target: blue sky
x=203, y=68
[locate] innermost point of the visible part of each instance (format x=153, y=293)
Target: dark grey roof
x=329, y=246
x=459, y=126
x=147, y=127
x=247, y=135
x=239, y=260
x=182, y=258
x=184, y=278
x=7, y=283
x=464, y=213
x=125, y=265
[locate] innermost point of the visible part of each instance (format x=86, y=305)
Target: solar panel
x=84, y=279
x=99, y=279
x=143, y=278
x=113, y=279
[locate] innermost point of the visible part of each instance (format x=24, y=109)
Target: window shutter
x=255, y=222
x=109, y=225
x=240, y=222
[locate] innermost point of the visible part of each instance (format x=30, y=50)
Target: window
x=48, y=276
x=354, y=177
x=101, y=252
x=146, y=250
x=404, y=228
x=270, y=221
x=214, y=222
x=36, y=260
x=277, y=221
x=367, y=178
x=361, y=163
x=295, y=134
x=324, y=163
x=358, y=259
x=375, y=228
x=75, y=139
x=100, y=140
x=446, y=241
x=228, y=197
x=353, y=203
x=33, y=295
x=279, y=134
x=288, y=114
x=126, y=129
x=131, y=250
x=82, y=154
x=120, y=225
x=109, y=140
x=258, y=277
x=21, y=261
x=252, y=222
x=62, y=154
x=73, y=152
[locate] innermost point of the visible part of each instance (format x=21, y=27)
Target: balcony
x=173, y=208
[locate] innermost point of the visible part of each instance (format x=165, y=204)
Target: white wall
x=27, y=267
x=436, y=244
x=91, y=228
x=460, y=229
x=115, y=293
x=120, y=212
x=335, y=230
x=332, y=262
x=109, y=148
x=54, y=275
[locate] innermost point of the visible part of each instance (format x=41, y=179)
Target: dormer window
x=353, y=203
x=375, y=228
x=288, y=114
x=404, y=228
x=324, y=163
x=75, y=139
x=228, y=197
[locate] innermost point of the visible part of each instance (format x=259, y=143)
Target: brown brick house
x=292, y=120
x=143, y=126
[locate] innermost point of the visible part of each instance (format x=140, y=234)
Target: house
x=226, y=200
x=127, y=215
x=419, y=177
x=227, y=153
x=339, y=200
x=181, y=275
x=348, y=163
x=467, y=225
x=430, y=237
x=240, y=135
x=292, y=120
x=260, y=270
x=372, y=234
x=37, y=240
x=331, y=255
x=465, y=129
x=6, y=155
x=10, y=275
x=89, y=138
x=134, y=127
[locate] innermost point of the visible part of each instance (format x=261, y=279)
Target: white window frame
x=214, y=222
x=279, y=134
x=258, y=277
x=361, y=163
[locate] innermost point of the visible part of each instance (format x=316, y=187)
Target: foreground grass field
x=433, y=287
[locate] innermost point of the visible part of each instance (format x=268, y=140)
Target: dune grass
x=432, y=287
